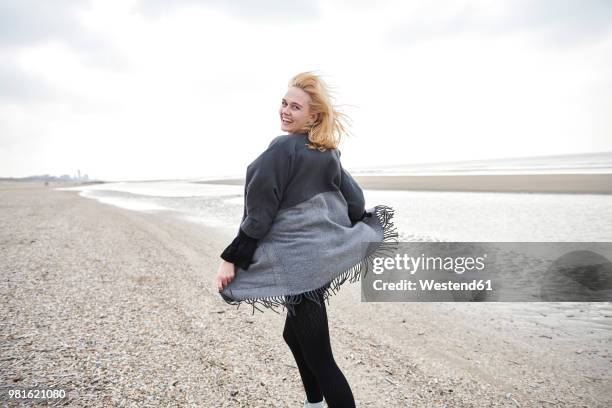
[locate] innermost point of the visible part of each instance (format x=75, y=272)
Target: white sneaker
x=321, y=404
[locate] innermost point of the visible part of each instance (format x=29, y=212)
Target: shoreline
x=584, y=183
x=117, y=305
x=503, y=183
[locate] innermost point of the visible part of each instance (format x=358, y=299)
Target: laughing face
x=295, y=112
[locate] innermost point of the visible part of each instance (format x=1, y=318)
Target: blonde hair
x=330, y=125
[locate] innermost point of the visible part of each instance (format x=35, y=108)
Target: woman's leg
x=311, y=330
x=311, y=386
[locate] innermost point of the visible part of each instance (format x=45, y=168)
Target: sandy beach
x=118, y=307
x=533, y=183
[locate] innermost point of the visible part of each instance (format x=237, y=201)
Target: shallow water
x=419, y=215
x=423, y=216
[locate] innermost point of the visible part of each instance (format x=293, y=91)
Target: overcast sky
x=147, y=90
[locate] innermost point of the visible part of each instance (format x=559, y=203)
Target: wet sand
x=532, y=183
x=118, y=307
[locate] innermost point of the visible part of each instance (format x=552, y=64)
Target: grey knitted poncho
x=302, y=207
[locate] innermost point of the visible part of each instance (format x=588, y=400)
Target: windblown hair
x=330, y=125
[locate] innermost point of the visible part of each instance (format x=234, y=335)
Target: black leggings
x=307, y=335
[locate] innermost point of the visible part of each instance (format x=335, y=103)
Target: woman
x=305, y=230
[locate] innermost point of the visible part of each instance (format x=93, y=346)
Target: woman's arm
x=353, y=194
x=266, y=180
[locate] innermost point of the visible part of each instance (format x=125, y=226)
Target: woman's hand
x=225, y=274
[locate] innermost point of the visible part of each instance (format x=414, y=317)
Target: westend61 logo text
x=434, y=263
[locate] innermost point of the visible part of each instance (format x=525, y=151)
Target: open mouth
x=286, y=122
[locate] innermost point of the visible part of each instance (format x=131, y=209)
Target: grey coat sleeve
x=266, y=180
x=353, y=195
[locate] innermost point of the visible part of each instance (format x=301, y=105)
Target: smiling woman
x=307, y=108
x=295, y=111
x=302, y=234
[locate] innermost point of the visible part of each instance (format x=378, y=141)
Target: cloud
x=277, y=11
x=561, y=23
x=30, y=21
x=25, y=23
x=18, y=87
x=33, y=25
x=564, y=22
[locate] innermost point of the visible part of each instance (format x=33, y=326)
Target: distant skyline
x=145, y=89
x=579, y=163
